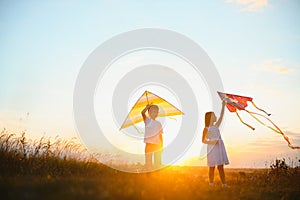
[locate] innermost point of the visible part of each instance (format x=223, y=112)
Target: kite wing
x=165, y=109
x=236, y=103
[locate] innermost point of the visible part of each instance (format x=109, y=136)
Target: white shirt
x=153, y=130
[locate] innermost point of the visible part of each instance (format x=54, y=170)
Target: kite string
x=140, y=132
x=277, y=131
x=173, y=118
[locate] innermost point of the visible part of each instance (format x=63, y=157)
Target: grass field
x=57, y=170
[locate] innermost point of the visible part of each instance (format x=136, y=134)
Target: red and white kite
x=235, y=103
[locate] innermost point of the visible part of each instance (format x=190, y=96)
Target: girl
x=216, y=153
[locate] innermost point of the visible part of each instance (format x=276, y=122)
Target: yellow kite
x=165, y=109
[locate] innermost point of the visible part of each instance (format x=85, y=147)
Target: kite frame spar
x=141, y=105
x=236, y=102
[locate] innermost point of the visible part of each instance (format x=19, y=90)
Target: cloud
x=276, y=142
x=276, y=66
x=294, y=137
x=250, y=5
x=268, y=143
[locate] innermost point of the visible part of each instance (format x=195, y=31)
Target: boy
x=153, y=136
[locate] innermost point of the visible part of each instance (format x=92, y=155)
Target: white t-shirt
x=153, y=130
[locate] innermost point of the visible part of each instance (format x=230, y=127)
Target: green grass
x=62, y=169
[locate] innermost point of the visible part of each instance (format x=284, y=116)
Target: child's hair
x=154, y=107
x=208, y=118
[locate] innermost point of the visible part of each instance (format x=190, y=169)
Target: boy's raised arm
x=144, y=112
x=218, y=123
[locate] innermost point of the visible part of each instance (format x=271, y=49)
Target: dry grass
x=64, y=170
x=57, y=157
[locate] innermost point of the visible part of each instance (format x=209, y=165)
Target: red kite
x=235, y=103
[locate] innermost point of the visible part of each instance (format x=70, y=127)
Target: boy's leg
x=148, y=155
x=157, y=156
x=148, y=159
x=211, y=174
x=221, y=173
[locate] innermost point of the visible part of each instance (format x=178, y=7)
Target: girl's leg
x=211, y=174
x=221, y=173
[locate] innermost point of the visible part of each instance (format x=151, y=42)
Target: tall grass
x=61, y=169
x=46, y=156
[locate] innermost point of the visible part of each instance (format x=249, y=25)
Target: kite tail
x=252, y=115
x=259, y=108
x=293, y=147
x=277, y=130
x=244, y=122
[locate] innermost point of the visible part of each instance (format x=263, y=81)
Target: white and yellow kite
x=165, y=109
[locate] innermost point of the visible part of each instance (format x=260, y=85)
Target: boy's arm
x=218, y=123
x=144, y=112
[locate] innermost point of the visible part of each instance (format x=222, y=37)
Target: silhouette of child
x=153, y=136
x=216, y=152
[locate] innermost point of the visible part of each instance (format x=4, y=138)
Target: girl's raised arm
x=218, y=123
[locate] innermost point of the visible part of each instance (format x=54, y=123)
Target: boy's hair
x=154, y=107
x=208, y=118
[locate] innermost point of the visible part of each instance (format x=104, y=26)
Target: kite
x=165, y=109
x=236, y=103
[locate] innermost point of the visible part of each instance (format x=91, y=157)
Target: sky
x=254, y=45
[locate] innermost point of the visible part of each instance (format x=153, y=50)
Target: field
x=42, y=169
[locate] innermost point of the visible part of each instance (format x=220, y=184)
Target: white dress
x=216, y=154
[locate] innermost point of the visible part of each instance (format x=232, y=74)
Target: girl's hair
x=208, y=118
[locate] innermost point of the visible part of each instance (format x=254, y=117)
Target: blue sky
x=254, y=44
